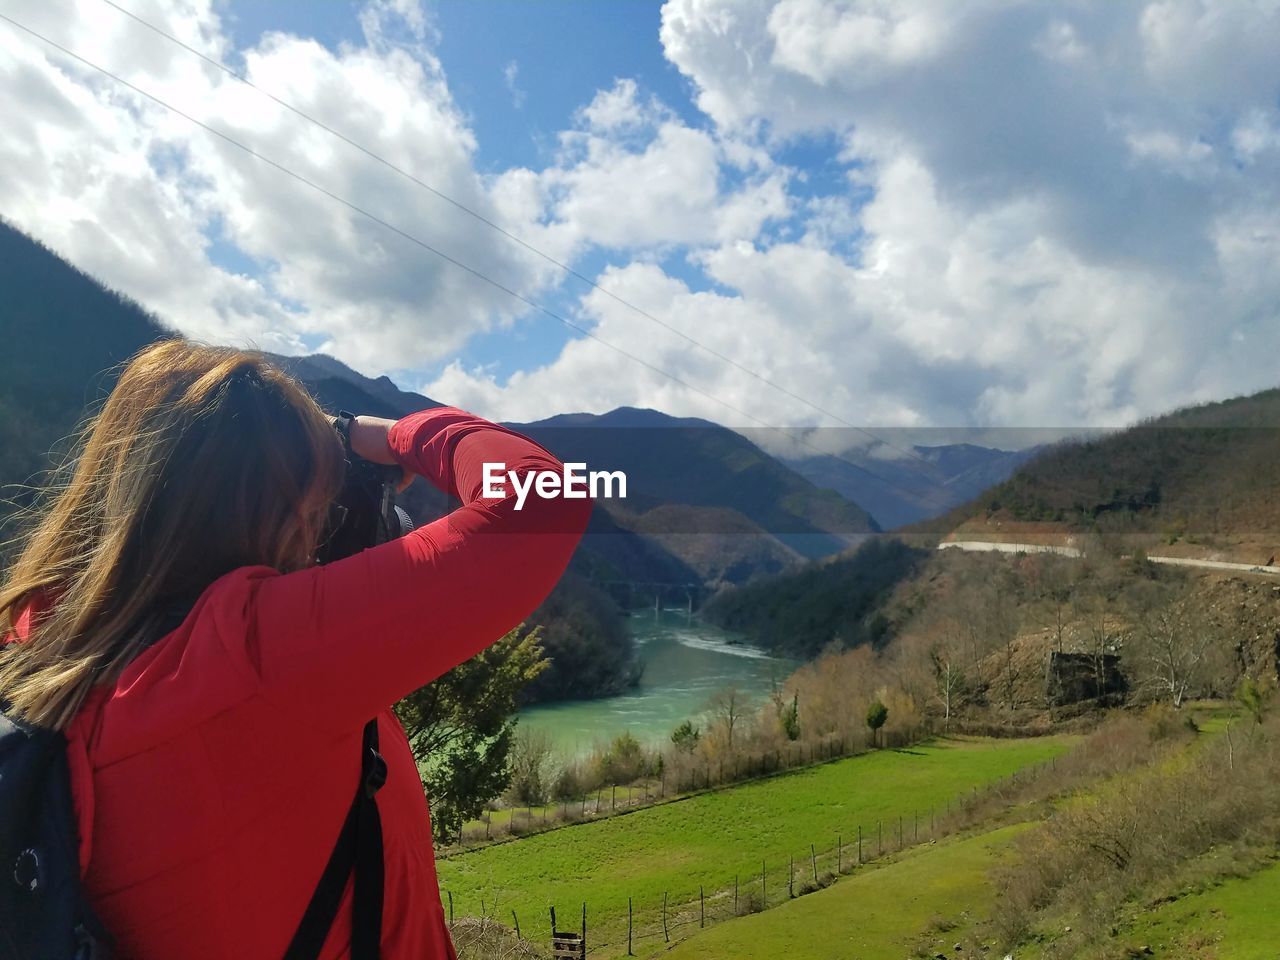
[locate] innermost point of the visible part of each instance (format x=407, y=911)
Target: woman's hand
x=369, y=441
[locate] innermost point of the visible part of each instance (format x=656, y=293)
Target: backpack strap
x=359, y=848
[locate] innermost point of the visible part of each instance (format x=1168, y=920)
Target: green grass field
x=1236, y=920
x=880, y=913
x=708, y=839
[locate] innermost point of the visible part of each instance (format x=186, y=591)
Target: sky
x=800, y=213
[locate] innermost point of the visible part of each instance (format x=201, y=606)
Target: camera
x=364, y=514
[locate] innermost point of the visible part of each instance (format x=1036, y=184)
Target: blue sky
x=520, y=70
x=910, y=214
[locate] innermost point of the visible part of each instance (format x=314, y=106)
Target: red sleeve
x=345, y=640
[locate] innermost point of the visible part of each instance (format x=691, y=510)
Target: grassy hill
x=707, y=839
x=933, y=894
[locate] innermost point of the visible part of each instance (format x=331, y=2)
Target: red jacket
x=211, y=781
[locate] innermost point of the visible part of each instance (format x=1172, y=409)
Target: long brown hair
x=202, y=459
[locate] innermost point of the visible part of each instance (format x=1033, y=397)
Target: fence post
x=517, y=922
x=791, y=879
x=915, y=825
x=764, y=888
x=665, y=935
x=813, y=858
x=879, y=837
x=735, y=894
x=629, y=953
x=839, y=855
x=552, y=911
x=702, y=907
x=450, y=907
x=584, y=928
x=614, y=799
x=859, y=845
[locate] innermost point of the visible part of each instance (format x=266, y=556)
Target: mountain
x=908, y=489
x=336, y=386
x=699, y=464
x=1199, y=480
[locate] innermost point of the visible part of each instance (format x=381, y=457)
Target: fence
x=782, y=877
x=682, y=781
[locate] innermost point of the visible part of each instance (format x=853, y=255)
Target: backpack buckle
x=374, y=771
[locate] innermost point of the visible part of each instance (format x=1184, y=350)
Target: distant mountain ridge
x=907, y=489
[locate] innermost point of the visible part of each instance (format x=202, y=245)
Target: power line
x=798, y=438
x=504, y=232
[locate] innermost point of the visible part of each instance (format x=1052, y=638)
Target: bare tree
x=1175, y=641
x=949, y=681
x=728, y=707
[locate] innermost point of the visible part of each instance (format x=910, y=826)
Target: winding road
x=987, y=546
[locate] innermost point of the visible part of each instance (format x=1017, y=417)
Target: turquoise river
x=685, y=662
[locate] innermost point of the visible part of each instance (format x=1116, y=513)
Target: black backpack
x=43, y=912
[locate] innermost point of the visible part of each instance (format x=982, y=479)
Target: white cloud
x=1072, y=215
x=139, y=192
x=1044, y=213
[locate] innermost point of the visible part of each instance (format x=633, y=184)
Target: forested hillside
x=836, y=604
x=1200, y=473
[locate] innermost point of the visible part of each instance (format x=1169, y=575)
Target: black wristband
x=342, y=423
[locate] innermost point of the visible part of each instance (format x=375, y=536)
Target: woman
x=213, y=766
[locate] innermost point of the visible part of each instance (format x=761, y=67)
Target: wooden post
x=859, y=845
x=629, y=953
x=450, y=907
x=517, y=922
x=615, y=797
x=665, y=935
x=735, y=894
x=553, y=921
x=764, y=889
x=915, y=825
x=879, y=837
x=702, y=907
x=584, y=928
x=813, y=858
x=791, y=878
x=839, y=855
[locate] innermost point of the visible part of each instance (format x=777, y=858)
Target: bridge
x=658, y=594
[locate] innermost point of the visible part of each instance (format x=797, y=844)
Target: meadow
x=929, y=898
x=707, y=840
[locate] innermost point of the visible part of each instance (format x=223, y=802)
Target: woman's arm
x=348, y=639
